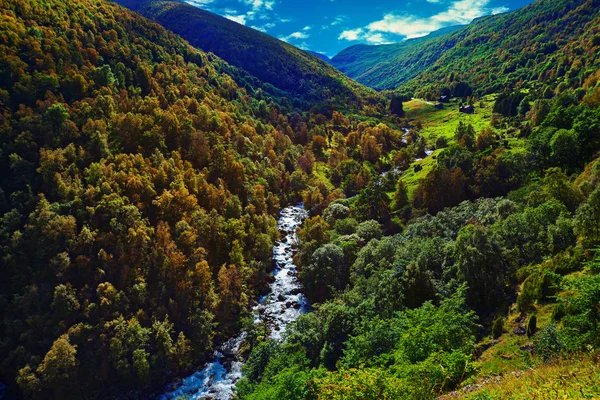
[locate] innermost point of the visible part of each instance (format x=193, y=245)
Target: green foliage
x=369, y=230
x=465, y=135
x=401, y=197
x=498, y=327
x=56, y=115
x=140, y=182
x=582, y=317
x=509, y=105
x=456, y=157
x=141, y=177
x=373, y=204
x=325, y=274
x=587, y=217
x=532, y=325
x=482, y=266
x=387, y=66
x=549, y=342
x=346, y=226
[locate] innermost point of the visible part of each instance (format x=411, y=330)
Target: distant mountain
x=273, y=61
x=321, y=56
x=554, y=41
x=389, y=65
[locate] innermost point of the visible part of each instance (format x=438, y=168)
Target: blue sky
x=329, y=26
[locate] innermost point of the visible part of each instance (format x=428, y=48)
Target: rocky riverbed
x=283, y=304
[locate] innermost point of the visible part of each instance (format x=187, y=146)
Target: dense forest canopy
x=549, y=40
x=141, y=178
x=138, y=192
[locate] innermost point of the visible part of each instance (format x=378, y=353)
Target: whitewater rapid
x=284, y=303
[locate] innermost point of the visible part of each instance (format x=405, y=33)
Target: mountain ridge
x=263, y=56
x=388, y=65
x=428, y=66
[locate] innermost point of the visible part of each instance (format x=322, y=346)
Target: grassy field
x=436, y=123
x=574, y=378
x=411, y=178
x=444, y=122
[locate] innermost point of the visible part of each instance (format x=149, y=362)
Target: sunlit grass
x=574, y=378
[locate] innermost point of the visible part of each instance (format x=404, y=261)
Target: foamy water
x=284, y=303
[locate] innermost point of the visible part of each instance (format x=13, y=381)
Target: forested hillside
x=306, y=78
x=450, y=251
x=470, y=270
x=138, y=192
x=555, y=42
x=551, y=41
x=387, y=66
x=483, y=267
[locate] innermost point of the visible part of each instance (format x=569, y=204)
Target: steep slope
x=282, y=65
x=138, y=188
x=555, y=42
x=319, y=55
x=387, y=66
x=552, y=41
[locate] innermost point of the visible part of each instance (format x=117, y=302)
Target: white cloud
x=295, y=35
x=459, y=12
x=499, y=10
x=376, y=38
x=352, y=34
x=407, y=26
x=298, y=35
x=259, y=4
x=199, y=3
x=240, y=19
x=337, y=20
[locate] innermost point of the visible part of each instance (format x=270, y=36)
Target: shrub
x=346, y=226
x=549, y=343
x=498, y=327
x=369, y=230
x=441, y=142
x=531, y=326
x=336, y=211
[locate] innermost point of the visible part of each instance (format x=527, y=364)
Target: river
x=284, y=303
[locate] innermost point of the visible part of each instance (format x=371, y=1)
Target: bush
x=549, y=343
x=441, y=142
x=558, y=312
x=346, y=226
x=336, y=211
x=525, y=300
x=532, y=326
x=369, y=230
x=498, y=327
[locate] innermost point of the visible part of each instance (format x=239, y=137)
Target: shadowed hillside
x=282, y=65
